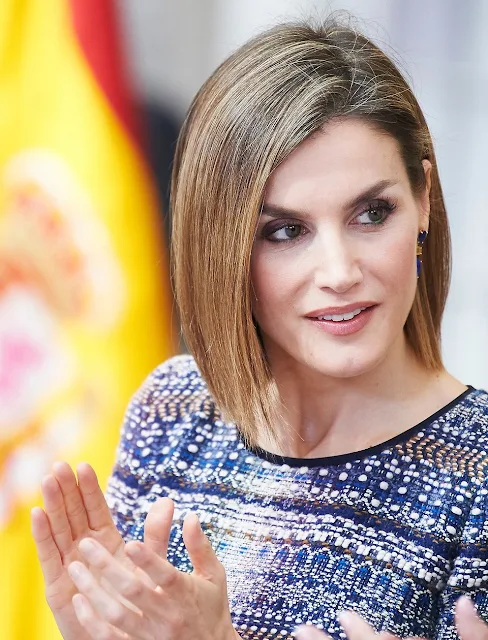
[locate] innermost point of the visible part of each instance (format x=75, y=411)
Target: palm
x=60, y=592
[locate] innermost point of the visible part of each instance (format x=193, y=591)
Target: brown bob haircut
x=257, y=107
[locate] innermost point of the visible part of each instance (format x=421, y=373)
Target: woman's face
x=334, y=261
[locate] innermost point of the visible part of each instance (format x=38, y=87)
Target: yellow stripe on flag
x=85, y=304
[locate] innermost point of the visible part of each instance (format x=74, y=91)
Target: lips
x=346, y=326
x=329, y=312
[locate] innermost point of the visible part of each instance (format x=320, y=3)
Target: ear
x=425, y=196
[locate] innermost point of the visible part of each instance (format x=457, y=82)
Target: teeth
x=346, y=316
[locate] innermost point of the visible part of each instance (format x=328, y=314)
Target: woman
x=332, y=460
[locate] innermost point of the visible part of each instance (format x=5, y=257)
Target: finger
x=355, y=627
x=107, y=608
x=202, y=556
x=158, y=525
x=468, y=623
x=98, y=513
x=56, y=512
x=47, y=550
x=129, y=585
x=75, y=508
x=96, y=628
x=307, y=632
x=161, y=572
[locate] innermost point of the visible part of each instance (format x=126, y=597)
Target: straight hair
x=257, y=107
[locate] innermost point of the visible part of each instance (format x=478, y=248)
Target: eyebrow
x=276, y=211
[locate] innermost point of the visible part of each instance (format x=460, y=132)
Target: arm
x=75, y=508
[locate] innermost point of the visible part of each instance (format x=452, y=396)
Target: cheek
x=399, y=265
x=273, y=282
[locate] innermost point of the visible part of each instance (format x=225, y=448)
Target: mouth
x=342, y=317
x=343, y=321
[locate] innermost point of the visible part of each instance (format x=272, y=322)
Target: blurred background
x=92, y=95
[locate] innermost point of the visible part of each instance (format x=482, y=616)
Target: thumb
x=469, y=624
x=202, y=556
x=157, y=526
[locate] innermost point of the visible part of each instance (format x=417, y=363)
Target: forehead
x=336, y=162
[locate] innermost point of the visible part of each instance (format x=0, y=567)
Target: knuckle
x=220, y=570
x=170, y=579
x=178, y=622
x=48, y=554
x=76, y=510
x=132, y=590
x=103, y=633
x=115, y=614
x=97, y=629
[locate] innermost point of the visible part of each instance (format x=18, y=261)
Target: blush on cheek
x=400, y=258
x=270, y=279
x=400, y=273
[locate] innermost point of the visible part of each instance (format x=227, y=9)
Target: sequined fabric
x=396, y=532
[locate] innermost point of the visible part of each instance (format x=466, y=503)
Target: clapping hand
x=183, y=606
x=76, y=510
x=469, y=626
x=102, y=589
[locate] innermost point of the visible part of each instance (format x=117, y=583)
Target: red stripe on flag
x=98, y=31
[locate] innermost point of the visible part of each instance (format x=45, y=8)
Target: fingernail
x=76, y=569
x=345, y=619
x=89, y=547
x=80, y=605
x=195, y=515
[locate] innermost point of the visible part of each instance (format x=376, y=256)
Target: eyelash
x=385, y=206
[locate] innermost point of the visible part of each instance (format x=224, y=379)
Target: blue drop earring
x=420, y=242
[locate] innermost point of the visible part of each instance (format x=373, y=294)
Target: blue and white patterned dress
x=396, y=532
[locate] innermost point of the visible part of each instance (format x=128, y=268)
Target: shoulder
x=467, y=421
x=172, y=396
x=454, y=441
x=463, y=433
x=173, y=389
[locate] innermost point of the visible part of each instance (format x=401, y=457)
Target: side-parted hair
x=256, y=108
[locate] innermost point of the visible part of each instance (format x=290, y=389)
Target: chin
x=346, y=366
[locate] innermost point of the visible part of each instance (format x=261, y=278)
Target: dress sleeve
x=151, y=412
x=469, y=575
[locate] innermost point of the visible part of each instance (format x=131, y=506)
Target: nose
x=335, y=263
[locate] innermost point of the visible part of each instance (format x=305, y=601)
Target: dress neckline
x=363, y=453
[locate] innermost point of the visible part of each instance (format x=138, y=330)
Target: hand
x=75, y=510
x=182, y=606
x=355, y=627
x=468, y=623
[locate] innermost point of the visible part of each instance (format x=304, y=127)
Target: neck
x=325, y=416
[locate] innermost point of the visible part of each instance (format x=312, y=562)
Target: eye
x=284, y=233
x=376, y=213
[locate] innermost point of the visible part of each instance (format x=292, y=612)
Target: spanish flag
x=85, y=304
